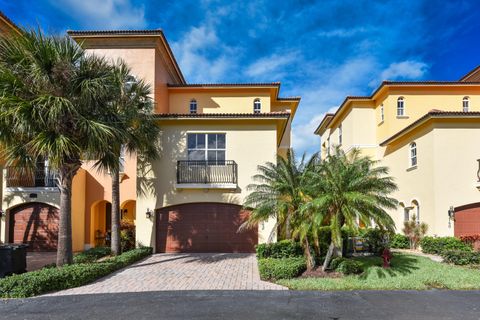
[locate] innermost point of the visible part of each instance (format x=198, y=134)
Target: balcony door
x=207, y=147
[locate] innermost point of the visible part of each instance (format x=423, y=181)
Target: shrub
x=437, y=245
x=91, y=255
x=69, y=276
x=376, y=239
x=336, y=262
x=349, y=266
x=325, y=238
x=400, y=241
x=461, y=258
x=286, y=268
x=414, y=231
x=127, y=236
x=279, y=250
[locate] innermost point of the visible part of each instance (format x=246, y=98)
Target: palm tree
x=349, y=188
x=134, y=117
x=278, y=193
x=54, y=105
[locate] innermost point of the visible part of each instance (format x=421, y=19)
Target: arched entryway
x=203, y=227
x=100, y=223
x=128, y=212
x=467, y=220
x=35, y=224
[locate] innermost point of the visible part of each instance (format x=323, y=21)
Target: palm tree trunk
x=64, y=248
x=333, y=251
x=115, y=232
x=308, y=255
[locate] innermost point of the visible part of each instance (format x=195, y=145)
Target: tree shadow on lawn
x=401, y=265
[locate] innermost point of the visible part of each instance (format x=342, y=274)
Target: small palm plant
x=414, y=231
x=346, y=189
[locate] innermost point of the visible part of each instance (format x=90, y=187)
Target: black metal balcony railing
x=207, y=172
x=23, y=177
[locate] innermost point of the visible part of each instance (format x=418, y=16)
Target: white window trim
x=190, y=106
x=467, y=100
x=404, y=113
x=340, y=135
x=410, y=157
x=206, y=141
x=256, y=102
x=382, y=113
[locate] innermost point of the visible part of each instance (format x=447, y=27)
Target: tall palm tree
x=349, y=188
x=54, y=105
x=134, y=117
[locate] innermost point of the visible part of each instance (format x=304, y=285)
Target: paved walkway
x=420, y=254
x=38, y=260
x=202, y=271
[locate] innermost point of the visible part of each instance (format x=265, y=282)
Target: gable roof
x=9, y=22
x=473, y=75
x=434, y=114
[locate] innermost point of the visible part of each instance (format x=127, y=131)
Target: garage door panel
x=203, y=227
x=35, y=224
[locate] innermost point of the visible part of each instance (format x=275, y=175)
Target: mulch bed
x=319, y=273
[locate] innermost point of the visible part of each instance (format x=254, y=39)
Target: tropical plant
x=54, y=104
x=278, y=193
x=346, y=189
x=414, y=231
x=134, y=118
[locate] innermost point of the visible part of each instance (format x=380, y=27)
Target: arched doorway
x=35, y=224
x=128, y=212
x=100, y=223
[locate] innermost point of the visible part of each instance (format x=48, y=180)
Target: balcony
x=220, y=174
x=20, y=177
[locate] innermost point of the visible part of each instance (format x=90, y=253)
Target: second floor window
x=193, y=106
x=340, y=134
x=400, y=107
x=466, y=104
x=413, y=154
x=257, y=106
x=122, y=159
x=382, y=113
x=206, y=147
x=328, y=146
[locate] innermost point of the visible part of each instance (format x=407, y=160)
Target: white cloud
x=342, y=33
x=408, y=70
x=271, y=66
x=191, y=52
x=105, y=14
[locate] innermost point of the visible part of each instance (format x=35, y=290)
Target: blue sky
x=319, y=50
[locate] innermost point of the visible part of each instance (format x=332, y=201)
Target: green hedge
x=349, y=266
x=92, y=255
x=400, y=241
x=53, y=279
x=437, y=245
x=286, y=268
x=376, y=239
x=279, y=250
x=461, y=258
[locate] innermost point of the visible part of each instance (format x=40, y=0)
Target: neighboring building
x=427, y=133
x=213, y=138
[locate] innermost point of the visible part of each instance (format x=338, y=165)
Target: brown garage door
x=467, y=220
x=35, y=224
x=203, y=227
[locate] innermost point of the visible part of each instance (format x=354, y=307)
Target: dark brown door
x=35, y=224
x=467, y=220
x=203, y=227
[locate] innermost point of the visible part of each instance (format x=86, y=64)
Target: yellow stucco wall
x=247, y=143
x=218, y=101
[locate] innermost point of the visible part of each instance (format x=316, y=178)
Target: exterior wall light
x=148, y=213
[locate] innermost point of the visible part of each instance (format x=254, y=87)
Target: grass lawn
x=407, y=272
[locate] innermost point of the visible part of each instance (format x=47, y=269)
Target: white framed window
x=413, y=154
x=382, y=113
x=121, y=167
x=257, y=106
x=400, y=107
x=466, y=104
x=340, y=135
x=207, y=147
x=328, y=145
x=193, y=106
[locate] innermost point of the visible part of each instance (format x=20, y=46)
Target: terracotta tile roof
x=248, y=84
x=432, y=114
x=473, y=75
x=7, y=19
x=74, y=33
x=224, y=115
x=153, y=32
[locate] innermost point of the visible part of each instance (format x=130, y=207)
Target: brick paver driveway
x=200, y=271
